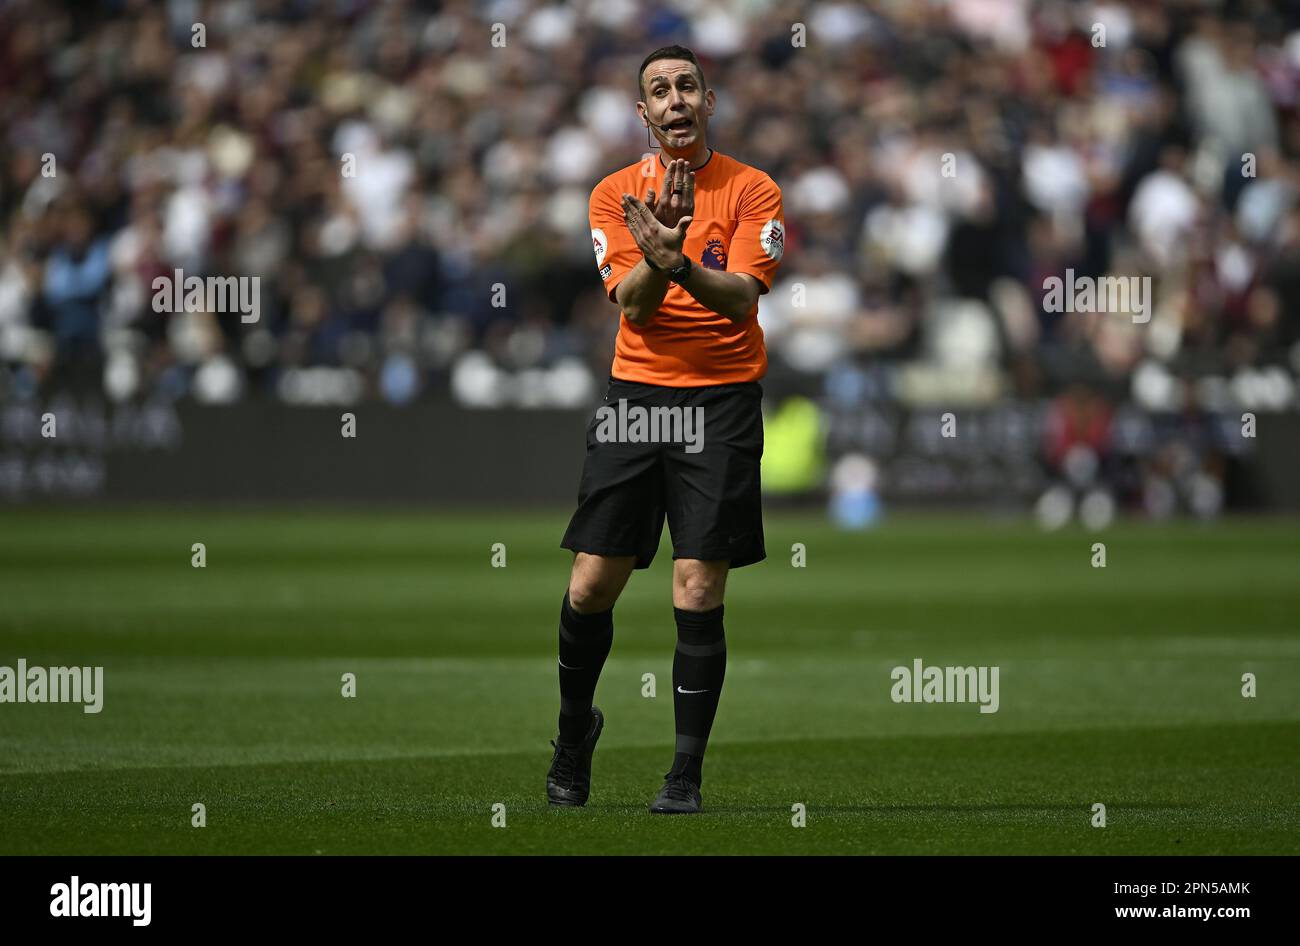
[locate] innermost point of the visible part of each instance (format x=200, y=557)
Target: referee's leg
x=700, y=659
x=586, y=635
x=714, y=507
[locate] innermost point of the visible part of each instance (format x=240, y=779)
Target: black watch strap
x=652, y=265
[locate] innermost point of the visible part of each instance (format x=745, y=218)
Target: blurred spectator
x=413, y=195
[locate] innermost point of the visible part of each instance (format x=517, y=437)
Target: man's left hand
x=661, y=245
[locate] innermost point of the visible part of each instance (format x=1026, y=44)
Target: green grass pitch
x=1119, y=685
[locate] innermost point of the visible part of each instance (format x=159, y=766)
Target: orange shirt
x=737, y=226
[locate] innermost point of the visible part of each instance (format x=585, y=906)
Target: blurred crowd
x=409, y=181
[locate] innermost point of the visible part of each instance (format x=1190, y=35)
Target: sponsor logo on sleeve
x=772, y=239
x=599, y=244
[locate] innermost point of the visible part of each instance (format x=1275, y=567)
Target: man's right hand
x=678, y=197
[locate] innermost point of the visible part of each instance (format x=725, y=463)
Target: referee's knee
x=588, y=597
x=596, y=582
x=698, y=586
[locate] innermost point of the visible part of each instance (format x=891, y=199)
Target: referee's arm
x=731, y=295
x=642, y=292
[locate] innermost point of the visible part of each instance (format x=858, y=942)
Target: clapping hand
x=662, y=245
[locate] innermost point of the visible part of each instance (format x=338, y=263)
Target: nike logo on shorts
x=566, y=666
x=680, y=690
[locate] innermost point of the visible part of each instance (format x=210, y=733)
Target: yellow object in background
x=794, y=460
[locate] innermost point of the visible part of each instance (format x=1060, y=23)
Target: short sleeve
x=759, y=240
x=616, y=251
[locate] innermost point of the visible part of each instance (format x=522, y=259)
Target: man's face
x=673, y=97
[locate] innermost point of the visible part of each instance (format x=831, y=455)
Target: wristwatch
x=679, y=274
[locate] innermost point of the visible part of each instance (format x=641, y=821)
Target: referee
x=689, y=340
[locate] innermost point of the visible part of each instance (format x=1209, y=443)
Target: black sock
x=689, y=765
x=585, y=640
x=699, y=665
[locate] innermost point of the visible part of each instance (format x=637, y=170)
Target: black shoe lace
x=564, y=764
x=679, y=787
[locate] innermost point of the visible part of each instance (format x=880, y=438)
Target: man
x=688, y=342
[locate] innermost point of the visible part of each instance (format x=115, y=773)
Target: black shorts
x=705, y=478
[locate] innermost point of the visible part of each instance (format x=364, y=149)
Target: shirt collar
x=707, y=161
